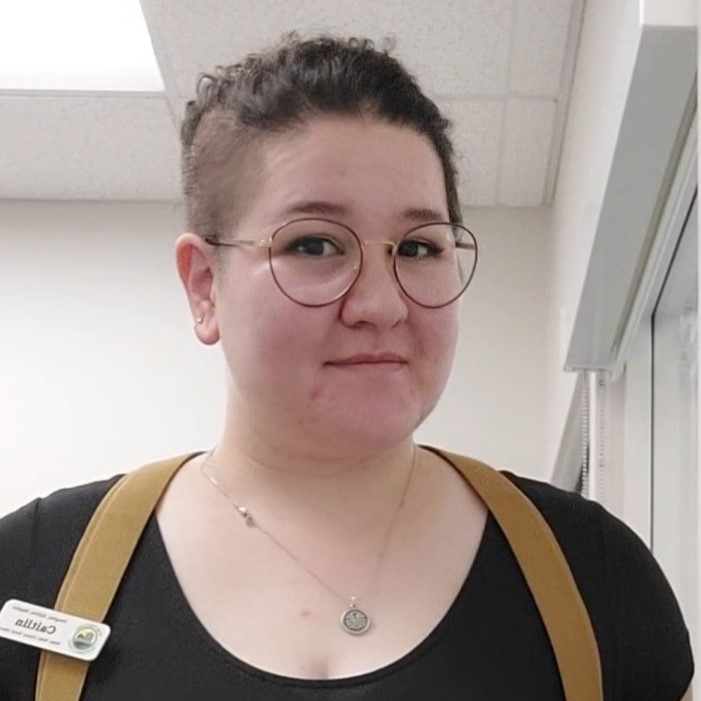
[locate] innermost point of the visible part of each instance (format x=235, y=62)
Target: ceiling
x=500, y=69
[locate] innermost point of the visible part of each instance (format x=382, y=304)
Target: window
x=675, y=474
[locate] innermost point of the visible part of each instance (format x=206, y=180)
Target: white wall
x=100, y=370
x=494, y=405
x=608, y=45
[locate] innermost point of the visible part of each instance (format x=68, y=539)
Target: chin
x=372, y=429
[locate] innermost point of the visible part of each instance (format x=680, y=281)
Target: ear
x=195, y=261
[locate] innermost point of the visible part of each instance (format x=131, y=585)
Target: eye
x=314, y=246
x=415, y=248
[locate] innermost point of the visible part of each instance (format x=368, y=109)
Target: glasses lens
x=435, y=263
x=314, y=261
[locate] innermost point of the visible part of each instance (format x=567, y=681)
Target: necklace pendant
x=354, y=620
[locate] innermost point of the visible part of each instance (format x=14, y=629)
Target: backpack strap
x=98, y=565
x=113, y=532
x=547, y=573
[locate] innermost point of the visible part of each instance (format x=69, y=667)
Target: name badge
x=52, y=630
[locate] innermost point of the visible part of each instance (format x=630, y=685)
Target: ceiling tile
x=453, y=46
x=539, y=43
x=493, y=65
x=476, y=135
x=528, y=136
x=87, y=148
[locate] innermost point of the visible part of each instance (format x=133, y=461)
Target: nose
x=376, y=298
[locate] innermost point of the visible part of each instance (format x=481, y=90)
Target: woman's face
x=295, y=369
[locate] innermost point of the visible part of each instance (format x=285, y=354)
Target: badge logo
x=84, y=639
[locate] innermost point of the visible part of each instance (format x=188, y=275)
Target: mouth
x=370, y=360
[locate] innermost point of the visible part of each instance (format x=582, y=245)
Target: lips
x=371, y=359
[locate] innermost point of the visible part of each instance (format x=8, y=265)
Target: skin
x=320, y=452
x=316, y=427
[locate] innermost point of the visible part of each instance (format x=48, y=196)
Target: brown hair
x=279, y=90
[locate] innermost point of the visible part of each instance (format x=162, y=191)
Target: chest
x=490, y=645
x=279, y=609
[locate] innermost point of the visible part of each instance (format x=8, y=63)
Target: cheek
x=439, y=333
x=270, y=343
x=437, y=345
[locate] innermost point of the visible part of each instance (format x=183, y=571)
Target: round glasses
x=316, y=262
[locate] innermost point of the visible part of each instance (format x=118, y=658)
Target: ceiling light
x=76, y=45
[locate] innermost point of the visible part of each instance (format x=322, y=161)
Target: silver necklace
x=353, y=620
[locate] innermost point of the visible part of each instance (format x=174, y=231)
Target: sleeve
x=655, y=661
x=16, y=533
x=36, y=546
x=16, y=543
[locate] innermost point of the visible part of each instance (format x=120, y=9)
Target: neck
x=272, y=474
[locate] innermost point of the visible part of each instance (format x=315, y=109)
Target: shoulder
x=37, y=543
x=583, y=529
x=575, y=521
x=594, y=541
x=634, y=611
x=37, y=540
x=581, y=525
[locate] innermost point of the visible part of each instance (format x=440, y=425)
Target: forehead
x=367, y=167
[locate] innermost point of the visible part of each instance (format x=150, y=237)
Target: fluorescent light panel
x=76, y=45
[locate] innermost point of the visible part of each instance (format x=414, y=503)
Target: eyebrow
x=420, y=215
x=323, y=208
x=423, y=215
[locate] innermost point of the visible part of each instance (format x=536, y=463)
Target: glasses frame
x=394, y=246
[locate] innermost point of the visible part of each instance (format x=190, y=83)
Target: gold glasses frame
x=471, y=245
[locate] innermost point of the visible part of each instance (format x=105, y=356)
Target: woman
x=317, y=552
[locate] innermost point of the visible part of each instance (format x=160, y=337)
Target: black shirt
x=490, y=646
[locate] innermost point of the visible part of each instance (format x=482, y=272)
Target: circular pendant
x=355, y=621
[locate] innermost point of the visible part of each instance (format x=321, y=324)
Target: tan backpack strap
x=97, y=567
x=548, y=576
